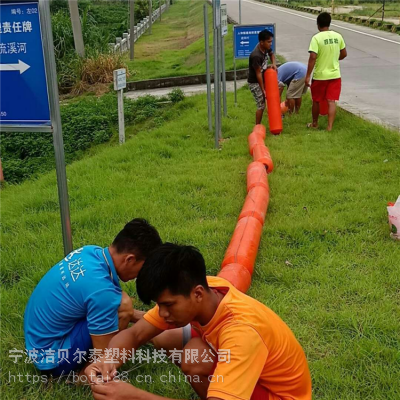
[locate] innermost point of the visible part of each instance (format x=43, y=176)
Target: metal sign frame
x=43, y=7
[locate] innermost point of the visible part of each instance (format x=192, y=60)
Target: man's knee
x=192, y=363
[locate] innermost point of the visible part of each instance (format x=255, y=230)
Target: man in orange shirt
x=253, y=353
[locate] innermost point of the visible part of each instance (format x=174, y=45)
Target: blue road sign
x=24, y=98
x=246, y=38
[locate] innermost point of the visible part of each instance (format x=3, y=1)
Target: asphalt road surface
x=370, y=73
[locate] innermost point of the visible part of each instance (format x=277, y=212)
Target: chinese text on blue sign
x=24, y=97
x=246, y=38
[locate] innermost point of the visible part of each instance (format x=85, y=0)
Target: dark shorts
x=80, y=340
x=329, y=90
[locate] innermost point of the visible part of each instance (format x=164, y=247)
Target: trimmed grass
x=326, y=263
x=176, y=45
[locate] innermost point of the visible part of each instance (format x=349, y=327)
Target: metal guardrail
x=122, y=44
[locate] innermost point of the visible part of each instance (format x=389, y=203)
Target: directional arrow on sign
x=21, y=67
x=244, y=42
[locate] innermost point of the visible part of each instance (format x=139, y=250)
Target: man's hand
x=307, y=81
x=274, y=67
x=115, y=390
x=100, y=372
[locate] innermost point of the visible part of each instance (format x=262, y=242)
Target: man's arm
x=343, y=54
x=137, y=315
x=119, y=390
x=128, y=339
x=273, y=60
x=100, y=342
x=311, y=65
x=260, y=78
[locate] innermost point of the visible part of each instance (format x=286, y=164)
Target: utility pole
x=160, y=9
x=150, y=15
x=240, y=12
x=383, y=10
x=132, y=27
x=76, y=27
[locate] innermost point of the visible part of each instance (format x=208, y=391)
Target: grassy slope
x=326, y=263
x=392, y=7
x=176, y=46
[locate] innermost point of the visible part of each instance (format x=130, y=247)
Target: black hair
x=176, y=268
x=137, y=237
x=324, y=20
x=265, y=35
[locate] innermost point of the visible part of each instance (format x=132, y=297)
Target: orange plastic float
x=244, y=243
x=273, y=101
x=284, y=107
x=254, y=139
x=261, y=154
x=238, y=275
x=260, y=130
x=256, y=204
x=238, y=264
x=256, y=176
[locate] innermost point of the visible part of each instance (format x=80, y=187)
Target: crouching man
x=260, y=356
x=293, y=75
x=79, y=305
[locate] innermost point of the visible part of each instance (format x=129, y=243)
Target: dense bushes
x=85, y=122
x=102, y=22
x=71, y=68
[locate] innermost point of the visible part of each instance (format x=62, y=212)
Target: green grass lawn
x=326, y=263
x=176, y=45
x=392, y=9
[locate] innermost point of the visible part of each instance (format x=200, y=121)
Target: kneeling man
x=260, y=356
x=79, y=305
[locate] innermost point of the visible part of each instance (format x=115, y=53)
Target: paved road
x=370, y=73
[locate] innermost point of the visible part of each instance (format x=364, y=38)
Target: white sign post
x=224, y=20
x=119, y=86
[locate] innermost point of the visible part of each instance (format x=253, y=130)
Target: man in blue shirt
x=293, y=75
x=78, y=306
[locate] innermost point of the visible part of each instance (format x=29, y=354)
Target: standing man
x=326, y=49
x=79, y=305
x=293, y=75
x=258, y=62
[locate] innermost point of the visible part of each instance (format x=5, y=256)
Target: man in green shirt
x=326, y=49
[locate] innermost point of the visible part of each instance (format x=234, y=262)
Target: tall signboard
x=29, y=99
x=245, y=39
x=24, y=97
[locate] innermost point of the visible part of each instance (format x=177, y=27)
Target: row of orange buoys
x=238, y=264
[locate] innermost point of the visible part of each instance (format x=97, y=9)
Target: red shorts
x=259, y=393
x=329, y=90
